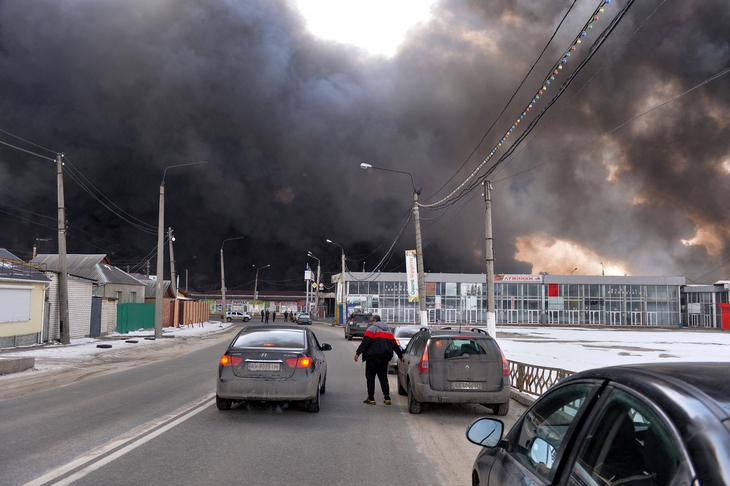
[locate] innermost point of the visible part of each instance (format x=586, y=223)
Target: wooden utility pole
x=63, y=322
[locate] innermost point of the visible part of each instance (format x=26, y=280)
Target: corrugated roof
x=92, y=267
x=14, y=268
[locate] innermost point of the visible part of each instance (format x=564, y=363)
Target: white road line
x=99, y=451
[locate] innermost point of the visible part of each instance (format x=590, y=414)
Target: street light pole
x=316, y=289
x=489, y=257
x=341, y=283
x=256, y=284
x=161, y=250
x=223, y=279
x=419, y=244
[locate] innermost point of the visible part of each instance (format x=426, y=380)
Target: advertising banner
x=412, y=275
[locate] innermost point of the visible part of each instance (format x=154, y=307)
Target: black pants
x=377, y=367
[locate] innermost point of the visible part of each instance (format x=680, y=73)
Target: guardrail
x=534, y=380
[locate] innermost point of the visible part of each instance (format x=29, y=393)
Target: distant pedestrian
x=286, y=316
x=267, y=315
x=262, y=315
x=273, y=316
x=377, y=348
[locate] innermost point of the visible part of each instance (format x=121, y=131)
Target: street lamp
x=602, y=272
x=161, y=250
x=223, y=279
x=419, y=247
x=341, y=283
x=316, y=289
x=256, y=285
x=571, y=272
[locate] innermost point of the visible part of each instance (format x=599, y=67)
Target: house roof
x=92, y=267
x=150, y=291
x=12, y=267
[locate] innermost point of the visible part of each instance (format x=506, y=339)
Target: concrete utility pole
x=161, y=250
x=173, y=276
x=489, y=256
x=63, y=321
x=341, y=286
x=419, y=245
x=316, y=289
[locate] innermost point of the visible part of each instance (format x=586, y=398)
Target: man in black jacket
x=377, y=349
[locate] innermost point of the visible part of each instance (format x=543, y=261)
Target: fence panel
x=135, y=316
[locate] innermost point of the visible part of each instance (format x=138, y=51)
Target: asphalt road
x=157, y=423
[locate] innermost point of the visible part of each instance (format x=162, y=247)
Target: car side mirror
x=486, y=432
x=542, y=453
x=325, y=347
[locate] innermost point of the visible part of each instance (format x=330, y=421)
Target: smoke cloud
x=126, y=89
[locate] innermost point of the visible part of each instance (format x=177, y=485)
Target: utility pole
x=173, y=277
x=148, y=268
x=419, y=260
x=63, y=323
x=489, y=256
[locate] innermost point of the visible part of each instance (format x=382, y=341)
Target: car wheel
x=229, y=319
x=222, y=403
x=313, y=405
x=401, y=391
x=501, y=409
x=414, y=406
x=246, y=319
x=349, y=338
x=322, y=389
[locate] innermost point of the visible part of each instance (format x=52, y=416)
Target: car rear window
x=270, y=339
x=406, y=333
x=360, y=318
x=454, y=347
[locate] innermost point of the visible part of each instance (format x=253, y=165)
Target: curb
x=14, y=365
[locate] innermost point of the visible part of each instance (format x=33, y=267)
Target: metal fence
x=534, y=380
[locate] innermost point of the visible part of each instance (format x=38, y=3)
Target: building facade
x=521, y=299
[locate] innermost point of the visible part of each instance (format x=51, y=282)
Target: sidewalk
x=53, y=355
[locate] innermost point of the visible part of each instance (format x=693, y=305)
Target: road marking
x=171, y=420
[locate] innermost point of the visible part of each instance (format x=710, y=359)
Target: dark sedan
x=272, y=363
x=644, y=424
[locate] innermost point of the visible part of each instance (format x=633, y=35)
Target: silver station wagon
x=454, y=366
x=272, y=363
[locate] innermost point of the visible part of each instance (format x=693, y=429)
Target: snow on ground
x=577, y=349
x=87, y=347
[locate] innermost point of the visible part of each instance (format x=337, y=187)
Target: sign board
x=412, y=275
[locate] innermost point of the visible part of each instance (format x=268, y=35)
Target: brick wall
x=79, y=307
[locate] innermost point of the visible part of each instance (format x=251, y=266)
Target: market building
x=538, y=299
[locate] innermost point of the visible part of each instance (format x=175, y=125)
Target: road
x=152, y=419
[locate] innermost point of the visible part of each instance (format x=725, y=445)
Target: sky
x=624, y=173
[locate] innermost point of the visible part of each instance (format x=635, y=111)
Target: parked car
x=304, y=318
x=454, y=366
x=272, y=363
x=644, y=424
x=238, y=316
x=403, y=335
x=356, y=325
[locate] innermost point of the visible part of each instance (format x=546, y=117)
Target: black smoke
x=127, y=88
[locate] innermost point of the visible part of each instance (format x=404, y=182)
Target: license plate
x=264, y=366
x=466, y=385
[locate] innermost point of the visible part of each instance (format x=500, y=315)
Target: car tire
x=501, y=408
x=401, y=391
x=222, y=403
x=323, y=388
x=229, y=319
x=313, y=405
x=414, y=406
x=246, y=319
x=349, y=337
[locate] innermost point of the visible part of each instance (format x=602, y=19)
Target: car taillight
x=228, y=360
x=423, y=364
x=300, y=362
x=505, y=364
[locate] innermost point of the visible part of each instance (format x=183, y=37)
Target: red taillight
x=423, y=364
x=300, y=362
x=505, y=364
x=227, y=360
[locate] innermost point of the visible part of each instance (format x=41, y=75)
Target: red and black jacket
x=378, y=342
